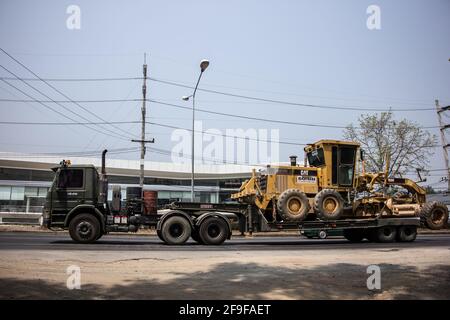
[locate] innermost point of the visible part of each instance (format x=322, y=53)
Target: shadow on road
x=252, y=281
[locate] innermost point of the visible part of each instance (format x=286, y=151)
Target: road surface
x=34, y=265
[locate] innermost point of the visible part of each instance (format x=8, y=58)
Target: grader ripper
x=333, y=185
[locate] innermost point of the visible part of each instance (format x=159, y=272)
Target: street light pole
x=203, y=65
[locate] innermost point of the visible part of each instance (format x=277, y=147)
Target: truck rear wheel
x=384, y=234
x=176, y=230
x=435, y=215
x=293, y=205
x=329, y=204
x=406, y=233
x=354, y=235
x=84, y=228
x=213, y=231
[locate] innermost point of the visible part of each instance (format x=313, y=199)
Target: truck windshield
x=316, y=157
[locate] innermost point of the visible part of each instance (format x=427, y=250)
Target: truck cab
x=73, y=188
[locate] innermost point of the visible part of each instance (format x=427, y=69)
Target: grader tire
x=329, y=204
x=293, y=205
x=435, y=215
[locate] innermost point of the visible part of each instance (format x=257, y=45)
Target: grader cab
x=332, y=184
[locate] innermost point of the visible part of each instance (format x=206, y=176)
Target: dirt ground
x=234, y=272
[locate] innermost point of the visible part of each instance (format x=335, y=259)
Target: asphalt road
x=46, y=241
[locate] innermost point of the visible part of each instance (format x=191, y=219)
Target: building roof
x=164, y=170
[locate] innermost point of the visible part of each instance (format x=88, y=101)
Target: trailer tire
x=329, y=204
x=176, y=230
x=293, y=205
x=196, y=237
x=213, y=231
x=385, y=234
x=406, y=233
x=84, y=228
x=354, y=235
x=435, y=215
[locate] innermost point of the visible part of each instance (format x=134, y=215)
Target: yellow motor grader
x=332, y=185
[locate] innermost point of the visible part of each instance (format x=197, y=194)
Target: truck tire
x=329, y=204
x=84, y=228
x=176, y=230
x=384, y=234
x=354, y=235
x=213, y=231
x=435, y=215
x=293, y=205
x=158, y=232
x=406, y=233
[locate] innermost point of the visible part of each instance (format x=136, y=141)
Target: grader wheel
x=329, y=204
x=293, y=205
x=435, y=215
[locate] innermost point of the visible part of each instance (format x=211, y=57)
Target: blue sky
x=317, y=52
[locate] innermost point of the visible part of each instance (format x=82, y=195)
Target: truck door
x=67, y=192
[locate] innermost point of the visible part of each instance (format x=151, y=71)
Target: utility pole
x=445, y=144
x=143, y=111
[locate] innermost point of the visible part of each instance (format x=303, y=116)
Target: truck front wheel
x=176, y=230
x=84, y=228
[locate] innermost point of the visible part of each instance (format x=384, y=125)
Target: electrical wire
x=60, y=92
x=298, y=104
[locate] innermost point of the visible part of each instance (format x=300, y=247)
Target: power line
x=58, y=112
x=161, y=125
x=54, y=110
x=352, y=108
x=151, y=123
x=77, y=79
x=254, y=98
x=65, y=154
x=259, y=119
x=71, y=101
x=61, y=93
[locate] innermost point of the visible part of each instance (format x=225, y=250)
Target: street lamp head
x=203, y=65
x=185, y=98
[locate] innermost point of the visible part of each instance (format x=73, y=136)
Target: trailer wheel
x=406, y=233
x=195, y=236
x=213, y=231
x=435, y=215
x=385, y=234
x=354, y=235
x=293, y=205
x=84, y=228
x=329, y=204
x=176, y=230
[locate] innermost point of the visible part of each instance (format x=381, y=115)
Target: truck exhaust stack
x=103, y=161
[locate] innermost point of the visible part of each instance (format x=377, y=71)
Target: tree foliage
x=408, y=145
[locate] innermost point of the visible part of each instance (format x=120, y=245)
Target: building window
x=17, y=193
x=31, y=191
x=42, y=192
x=5, y=193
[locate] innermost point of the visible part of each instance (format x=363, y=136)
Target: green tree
x=408, y=145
